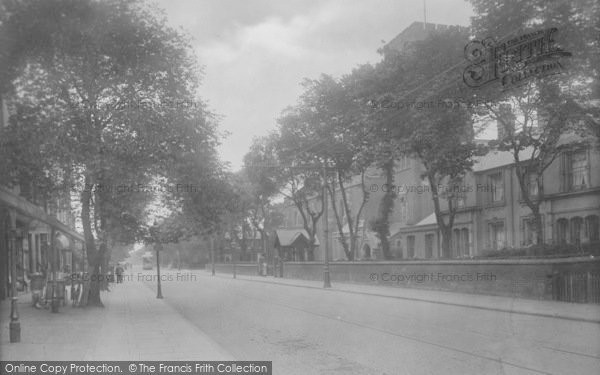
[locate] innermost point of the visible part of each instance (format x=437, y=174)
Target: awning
x=29, y=209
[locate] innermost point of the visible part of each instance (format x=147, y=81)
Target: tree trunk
x=340, y=225
x=532, y=202
x=537, y=224
x=386, y=207
x=539, y=231
x=445, y=228
x=92, y=253
x=349, y=219
x=446, y=242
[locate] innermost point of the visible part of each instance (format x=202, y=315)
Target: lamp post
x=232, y=247
x=15, y=324
x=157, y=248
x=326, y=276
x=234, y=262
x=212, y=253
x=54, y=306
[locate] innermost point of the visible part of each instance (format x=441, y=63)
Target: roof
x=287, y=237
x=495, y=159
x=395, y=228
x=401, y=228
x=431, y=219
x=361, y=223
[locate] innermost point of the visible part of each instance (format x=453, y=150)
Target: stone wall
x=525, y=278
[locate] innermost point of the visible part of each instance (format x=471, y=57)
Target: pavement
x=133, y=325
x=552, y=309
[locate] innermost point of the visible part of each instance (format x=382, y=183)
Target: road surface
x=312, y=331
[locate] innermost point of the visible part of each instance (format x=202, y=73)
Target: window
x=429, y=246
x=402, y=208
x=399, y=250
x=464, y=233
x=410, y=244
x=578, y=170
x=528, y=237
x=497, y=236
x=575, y=170
x=460, y=242
x=528, y=230
x=459, y=192
x=496, y=186
x=562, y=227
x=532, y=184
x=592, y=228
x=576, y=228
x=456, y=242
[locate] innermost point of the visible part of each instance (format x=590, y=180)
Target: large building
x=492, y=214
x=419, y=31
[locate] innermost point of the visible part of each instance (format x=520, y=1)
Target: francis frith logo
x=514, y=61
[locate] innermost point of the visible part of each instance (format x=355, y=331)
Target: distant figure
x=119, y=272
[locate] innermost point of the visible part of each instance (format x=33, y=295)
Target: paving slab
x=133, y=325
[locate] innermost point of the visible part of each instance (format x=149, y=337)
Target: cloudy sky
x=255, y=53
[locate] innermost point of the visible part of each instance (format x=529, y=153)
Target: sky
x=255, y=53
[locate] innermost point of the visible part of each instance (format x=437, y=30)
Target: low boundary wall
x=240, y=268
x=566, y=279
x=525, y=278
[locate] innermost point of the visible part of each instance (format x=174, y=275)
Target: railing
x=580, y=287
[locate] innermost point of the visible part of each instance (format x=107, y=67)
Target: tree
x=536, y=118
x=436, y=130
x=262, y=187
x=119, y=87
x=365, y=83
x=239, y=218
x=442, y=142
x=278, y=168
x=325, y=130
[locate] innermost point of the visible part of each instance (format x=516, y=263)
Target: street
x=400, y=187
x=307, y=330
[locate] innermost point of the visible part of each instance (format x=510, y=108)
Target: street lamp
x=234, y=263
x=15, y=324
x=212, y=253
x=326, y=276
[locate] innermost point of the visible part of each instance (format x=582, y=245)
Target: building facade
x=36, y=232
x=492, y=214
